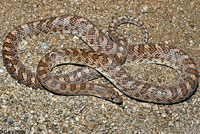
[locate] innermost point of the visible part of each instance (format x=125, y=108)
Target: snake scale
x=104, y=59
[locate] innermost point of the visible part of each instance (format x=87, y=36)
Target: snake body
x=105, y=58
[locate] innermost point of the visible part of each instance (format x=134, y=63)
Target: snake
x=105, y=59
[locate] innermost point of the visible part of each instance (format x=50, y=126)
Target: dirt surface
x=25, y=110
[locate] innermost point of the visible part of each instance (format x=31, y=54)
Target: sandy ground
x=25, y=110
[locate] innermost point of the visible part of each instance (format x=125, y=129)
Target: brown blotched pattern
x=112, y=70
x=113, y=53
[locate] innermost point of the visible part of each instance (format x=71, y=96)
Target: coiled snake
x=104, y=59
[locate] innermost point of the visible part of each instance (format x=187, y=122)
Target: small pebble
x=10, y=122
x=45, y=45
x=1, y=70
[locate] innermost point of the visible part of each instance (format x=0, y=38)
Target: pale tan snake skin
x=107, y=64
x=78, y=26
